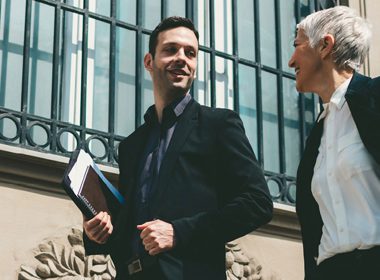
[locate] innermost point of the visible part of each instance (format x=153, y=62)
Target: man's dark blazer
x=210, y=188
x=363, y=99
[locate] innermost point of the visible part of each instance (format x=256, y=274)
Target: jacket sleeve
x=93, y=248
x=246, y=202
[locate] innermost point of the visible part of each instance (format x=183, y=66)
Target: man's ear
x=148, y=61
x=327, y=45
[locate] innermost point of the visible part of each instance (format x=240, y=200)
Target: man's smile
x=178, y=72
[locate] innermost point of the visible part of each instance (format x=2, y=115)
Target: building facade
x=72, y=76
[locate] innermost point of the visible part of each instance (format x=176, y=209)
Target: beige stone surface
x=280, y=257
x=373, y=16
x=28, y=218
x=369, y=9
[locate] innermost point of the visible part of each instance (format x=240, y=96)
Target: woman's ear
x=327, y=45
x=148, y=60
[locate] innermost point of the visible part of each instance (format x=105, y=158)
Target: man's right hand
x=99, y=228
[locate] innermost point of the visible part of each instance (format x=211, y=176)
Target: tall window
x=72, y=74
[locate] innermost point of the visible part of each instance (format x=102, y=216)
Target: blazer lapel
x=185, y=124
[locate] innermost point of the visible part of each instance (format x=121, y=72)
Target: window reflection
x=270, y=122
x=202, y=85
x=151, y=13
x=125, y=81
x=202, y=21
x=12, y=23
x=41, y=60
x=223, y=25
x=292, y=126
x=311, y=103
x=98, y=75
x=69, y=98
x=306, y=6
x=288, y=27
x=247, y=102
x=126, y=10
x=246, y=29
x=75, y=3
x=147, y=85
x=224, y=83
x=176, y=8
x=267, y=33
x=102, y=7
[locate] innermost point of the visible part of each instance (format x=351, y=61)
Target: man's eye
x=191, y=53
x=171, y=49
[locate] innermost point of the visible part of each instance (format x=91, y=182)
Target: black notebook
x=88, y=188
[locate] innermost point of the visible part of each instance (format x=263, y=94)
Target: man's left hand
x=157, y=236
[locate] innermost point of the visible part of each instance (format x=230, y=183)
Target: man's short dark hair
x=170, y=23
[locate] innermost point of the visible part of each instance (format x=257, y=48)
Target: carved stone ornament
x=68, y=262
x=57, y=261
x=239, y=266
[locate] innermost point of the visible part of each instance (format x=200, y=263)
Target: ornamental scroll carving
x=58, y=261
x=68, y=262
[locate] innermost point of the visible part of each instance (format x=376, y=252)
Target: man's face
x=174, y=66
x=307, y=63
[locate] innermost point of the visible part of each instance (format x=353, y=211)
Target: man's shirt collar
x=170, y=113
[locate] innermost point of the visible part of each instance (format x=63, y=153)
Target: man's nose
x=291, y=62
x=180, y=55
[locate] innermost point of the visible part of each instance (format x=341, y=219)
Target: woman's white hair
x=352, y=34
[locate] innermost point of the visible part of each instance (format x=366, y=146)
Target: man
x=338, y=179
x=189, y=175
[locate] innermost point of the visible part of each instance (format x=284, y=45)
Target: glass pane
x=311, y=104
x=246, y=29
x=41, y=59
x=247, y=102
x=102, y=7
x=176, y=8
x=223, y=26
x=126, y=10
x=98, y=75
x=125, y=81
x=151, y=13
x=147, y=85
x=71, y=68
x=292, y=126
x=288, y=29
x=224, y=88
x=270, y=122
x=202, y=85
x=75, y=3
x=306, y=6
x=267, y=33
x=11, y=52
x=202, y=21
x=325, y=4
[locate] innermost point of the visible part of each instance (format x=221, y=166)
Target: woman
x=338, y=179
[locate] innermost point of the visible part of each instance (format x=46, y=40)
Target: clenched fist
x=99, y=228
x=157, y=236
